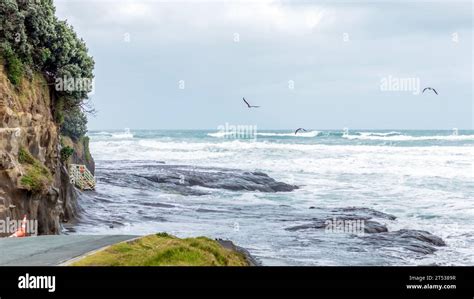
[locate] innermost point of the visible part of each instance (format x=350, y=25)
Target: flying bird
x=430, y=88
x=248, y=105
x=300, y=129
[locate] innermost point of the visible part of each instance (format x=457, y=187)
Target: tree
x=40, y=24
x=32, y=37
x=12, y=29
x=75, y=124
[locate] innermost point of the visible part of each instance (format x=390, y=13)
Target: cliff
x=33, y=179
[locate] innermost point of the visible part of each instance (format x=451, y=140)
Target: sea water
x=424, y=178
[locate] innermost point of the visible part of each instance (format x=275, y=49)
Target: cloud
x=260, y=16
x=278, y=41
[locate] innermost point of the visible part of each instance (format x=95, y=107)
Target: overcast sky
x=187, y=65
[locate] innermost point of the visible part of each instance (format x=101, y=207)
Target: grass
x=37, y=177
x=14, y=66
x=165, y=250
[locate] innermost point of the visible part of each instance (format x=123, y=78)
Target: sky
x=313, y=64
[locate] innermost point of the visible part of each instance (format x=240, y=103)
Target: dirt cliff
x=33, y=179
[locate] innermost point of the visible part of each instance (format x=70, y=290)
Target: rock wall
x=27, y=123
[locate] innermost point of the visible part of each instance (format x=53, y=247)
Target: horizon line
x=288, y=129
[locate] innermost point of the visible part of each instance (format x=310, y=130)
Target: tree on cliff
x=33, y=39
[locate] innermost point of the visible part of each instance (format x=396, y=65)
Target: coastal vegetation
x=37, y=178
x=33, y=40
x=66, y=152
x=165, y=250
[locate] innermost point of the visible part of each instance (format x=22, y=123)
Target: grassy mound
x=165, y=250
x=37, y=177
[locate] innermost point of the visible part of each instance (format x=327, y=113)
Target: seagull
x=300, y=129
x=430, y=88
x=248, y=105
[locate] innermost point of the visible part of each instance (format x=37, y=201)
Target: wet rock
x=183, y=180
x=252, y=261
x=373, y=227
x=367, y=212
x=342, y=224
x=340, y=218
x=316, y=224
x=417, y=241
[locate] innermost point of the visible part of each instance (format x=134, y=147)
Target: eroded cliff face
x=27, y=127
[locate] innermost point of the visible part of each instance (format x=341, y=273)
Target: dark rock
x=373, y=227
x=181, y=180
x=367, y=212
x=252, y=261
x=316, y=224
x=369, y=226
x=417, y=241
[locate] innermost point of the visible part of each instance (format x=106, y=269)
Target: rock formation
x=33, y=179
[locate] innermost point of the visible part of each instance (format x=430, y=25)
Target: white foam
x=124, y=135
x=220, y=134
x=299, y=134
x=269, y=134
x=278, y=158
x=393, y=133
x=372, y=136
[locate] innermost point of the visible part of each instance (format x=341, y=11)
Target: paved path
x=51, y=250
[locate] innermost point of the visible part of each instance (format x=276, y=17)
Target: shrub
x=37, y=177
x=66, y=152
x=74, y=125
x=13, y=65
x=24, y=157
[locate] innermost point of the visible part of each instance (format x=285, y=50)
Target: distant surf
x=269, y=134
x=126, y=134
x=397, y=136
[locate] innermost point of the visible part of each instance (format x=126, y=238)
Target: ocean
x=414, y=188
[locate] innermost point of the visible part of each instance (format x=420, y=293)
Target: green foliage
x=24, y=156
x=13, y=64
x=37, y=40
x=74, y=125
x=13, y=30
x=59, y=112
x=87, y=152
x=66, y=152
x=37, y=177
